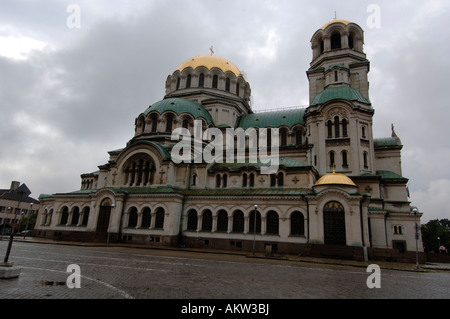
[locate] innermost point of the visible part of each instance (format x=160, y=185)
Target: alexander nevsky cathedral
x=337, y=191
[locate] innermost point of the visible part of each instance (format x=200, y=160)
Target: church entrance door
x=334, y=224
x=104, y=216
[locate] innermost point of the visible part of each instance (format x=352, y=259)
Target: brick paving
x=121, y=272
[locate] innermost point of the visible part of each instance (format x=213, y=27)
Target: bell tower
x=339, y=116
x=338, y=58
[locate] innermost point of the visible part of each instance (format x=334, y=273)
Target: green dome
x=180, y=106
x=339, y=93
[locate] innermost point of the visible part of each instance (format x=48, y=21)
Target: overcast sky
x=74, y=75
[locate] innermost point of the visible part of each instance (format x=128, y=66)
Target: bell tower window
x=188, y=82
x=335, y=41
x=215, y=80
x=201, y=80
x=227, y=85
x=350, y=42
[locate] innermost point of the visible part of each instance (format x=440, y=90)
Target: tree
x=433, y=230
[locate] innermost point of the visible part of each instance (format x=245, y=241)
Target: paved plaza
x=119, y=272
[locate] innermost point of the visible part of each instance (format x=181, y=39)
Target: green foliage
x=433, y=230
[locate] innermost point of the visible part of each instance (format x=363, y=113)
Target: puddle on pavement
x=52, y=283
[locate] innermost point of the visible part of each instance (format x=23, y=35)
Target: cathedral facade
x=337, y=191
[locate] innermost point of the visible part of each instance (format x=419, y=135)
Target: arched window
x=335, y=76
x=215, y=80
x=283, y=137
x=225, y=179
x=237, y=89
x=273, y=180
x=85, y=220
x=159, y=218
x=154, y=121
x=298, y=137
x=194, y=179
x=178, y=83
x=169, y=121
x=192, y=220
x=330, y=129
x=201, y=80
x=227, y=85
x=244, y=180
x=218, y=179
x=344, y=159
x=336, y=126
x=75, y=216
x=251, y=229
x=335, y=41
x=207, y=220
x=297, y=224
x=139, y=170
x=222, y=221
x=332, y=160
x=272, y=223
x=344, y=127
x=363, y=131
x=350, y=42
x=252, y=180
x=133, y=217
x=185, y=123
x=280, y=178
x=188, y=81
x=64, y=216
x=322, y=46
x=146, y=218
x=366, y=165
x=238, y=222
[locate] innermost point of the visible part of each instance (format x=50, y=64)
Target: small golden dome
x=335, y=179
x=209, y=62
x=334, y=21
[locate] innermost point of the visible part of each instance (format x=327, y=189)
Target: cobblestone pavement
x=126, y=272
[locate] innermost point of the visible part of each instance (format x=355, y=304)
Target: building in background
x=338, y=190
x=15, y=204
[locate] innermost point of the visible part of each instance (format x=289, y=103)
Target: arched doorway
x=334, y=224
x=104, y=216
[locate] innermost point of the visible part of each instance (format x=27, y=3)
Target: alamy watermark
x=374, y=19
x=261, y=146
x=73, y=21
x=374, y=280
x=74, y=279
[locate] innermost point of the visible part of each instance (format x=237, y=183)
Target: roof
x=180, y=106
x=210, y=62
x=386, y=141
x=335, y=179
x=279, y=118
x=339, y=93
x=333, y=22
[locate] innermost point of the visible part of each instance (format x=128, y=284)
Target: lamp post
x=417, y=236
x=254, y=230
x=20, y=193
x=6, y=219
x=28, y=220
x=109, y=222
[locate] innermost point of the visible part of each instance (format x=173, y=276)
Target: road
x=122, y=272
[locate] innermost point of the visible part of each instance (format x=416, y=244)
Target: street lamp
x=28, y=220
x=254, y=229
x=417, y=236
x=109, y=223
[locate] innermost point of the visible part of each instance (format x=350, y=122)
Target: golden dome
x=334, y=21
x=209, y=62
x=335, y=179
